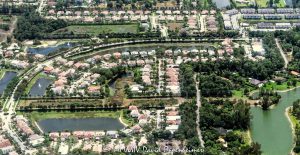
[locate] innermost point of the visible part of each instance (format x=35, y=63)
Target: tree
x=253, y=149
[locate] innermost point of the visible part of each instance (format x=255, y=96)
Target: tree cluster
x=32, y=26
x=215, y=86
x=268, y=98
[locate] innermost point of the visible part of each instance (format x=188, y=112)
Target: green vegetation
x=226, y=122
x=37, y=116
x=214, y=86
x=296, y=113
x=154, y=102
x=187, y=129
x=126, y=118
x=98, y=29
x=188, y=88
x=52, y=103
x=4, y=27
x=282, y=86
x=32, y=26
x=267, y=3
x=268, y=98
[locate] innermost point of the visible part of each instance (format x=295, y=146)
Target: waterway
x=82, y=124
x=49, y=49
x=271, y=128
x=9, y=75
x=39, y=87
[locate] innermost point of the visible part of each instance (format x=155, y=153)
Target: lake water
x=289, y=3
x=39, y=87
x=221, y=3
x=5, y=80
x=49, y=49
x=271, y=128
x=83, y=124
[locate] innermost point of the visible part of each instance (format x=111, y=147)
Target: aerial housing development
x=149, y=77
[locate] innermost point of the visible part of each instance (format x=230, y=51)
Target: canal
x=271, y=128
x=83, y=124
x=9, y=75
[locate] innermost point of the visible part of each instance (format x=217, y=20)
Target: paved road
x=40, y=7
x=11, y=104
x=286, y=62
x=198, y=111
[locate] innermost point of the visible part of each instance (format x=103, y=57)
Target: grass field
x=97, y=29
x=274, y=86
x=265, y=3
x=37, y=116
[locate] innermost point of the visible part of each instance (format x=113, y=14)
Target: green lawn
x=264, y=3
x=238, y=93
x=245, y=135
x=97, y=29
x=37, y=116
x=275, y=86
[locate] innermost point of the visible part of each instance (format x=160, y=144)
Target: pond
x=9, y=75
x=271, y=128
x=289, y=3
x=49, y=49
x=83, y=124
x=221, y=3
x=39, y=87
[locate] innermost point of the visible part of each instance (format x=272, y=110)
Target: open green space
x=97, y=29
x=275, y=86
x=37, y=116
x=265, y=3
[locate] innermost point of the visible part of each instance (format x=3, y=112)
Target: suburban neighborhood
x=149, y=77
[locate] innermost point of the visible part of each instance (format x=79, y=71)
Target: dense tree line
x=15, y=9
x=107, y=74
x=32, y=26
x=226, y=114
x=187, y=129
x=296, y=113
x=215, y=86
x=296, y=109
x=188, y=88
x=10, y=87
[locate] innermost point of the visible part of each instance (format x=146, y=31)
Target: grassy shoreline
x=33, y=81
x=293, y=122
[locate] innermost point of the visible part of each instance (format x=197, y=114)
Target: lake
x=271, y=128
x=39, y=87
x=83, y=124
x=289, y=3
x=49, y=49
x=8, y=75
x=221, y=3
